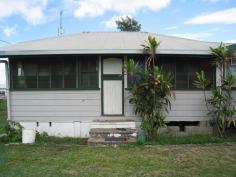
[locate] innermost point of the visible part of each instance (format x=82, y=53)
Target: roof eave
x=99, y=51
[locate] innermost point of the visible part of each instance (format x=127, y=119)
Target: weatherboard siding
x=188, y=106
x=55, y=106
x=85, y=106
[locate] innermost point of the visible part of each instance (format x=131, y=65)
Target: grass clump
x=43, y=138
x=191, y=139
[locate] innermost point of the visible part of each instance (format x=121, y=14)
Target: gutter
x=7, y=73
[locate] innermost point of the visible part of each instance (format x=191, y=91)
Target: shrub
x=13, y=133
x=219, y=105
x=151, y=92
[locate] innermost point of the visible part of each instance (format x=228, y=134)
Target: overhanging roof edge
x=105, y=51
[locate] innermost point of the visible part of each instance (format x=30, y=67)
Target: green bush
x=13, y=133
x=220, y=104
x=151, y=94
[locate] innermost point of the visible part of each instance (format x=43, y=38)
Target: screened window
x=18, y=75
x=183, y=70
x=231, y=67
x=181, y=75
x=132, y=80
x=70, y=74
x=44, y=75
x=192, y=70
x=57, y=75
x=169, y=67
x=88, y=73
x=30, y=70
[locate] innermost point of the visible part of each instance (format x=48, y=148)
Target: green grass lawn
x=57, y=157
x=208, y=160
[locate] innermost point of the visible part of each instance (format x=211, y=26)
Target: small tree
x=128, y=24
x=219, y=104
x=151, y=93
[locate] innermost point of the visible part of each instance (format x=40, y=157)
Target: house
x=69, y=84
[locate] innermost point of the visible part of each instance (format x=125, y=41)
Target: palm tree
x=150, y=48
x=221, y=55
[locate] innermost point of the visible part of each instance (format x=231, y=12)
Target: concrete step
x=112, y=132
x=112, y=136
x=104, y=142
x=113, y=124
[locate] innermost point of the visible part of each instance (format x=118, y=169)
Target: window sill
x=78, y=89
x=191, y=89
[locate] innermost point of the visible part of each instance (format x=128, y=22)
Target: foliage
x=9, y=131
x=151, y=98
x=220, y=54
x=128, y=24
x=151, y=93
x=44, y=138
x=201, y=82
x=13, y=132
x=150, y=48
x=220, y=103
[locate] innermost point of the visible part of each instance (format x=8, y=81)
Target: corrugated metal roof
x=107, y=43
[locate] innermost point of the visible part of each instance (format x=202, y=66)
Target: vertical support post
x=99, y=71
x=218, y=76
x=7, y=75
x=125, y=74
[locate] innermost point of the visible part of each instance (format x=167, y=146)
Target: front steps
x=112, y=133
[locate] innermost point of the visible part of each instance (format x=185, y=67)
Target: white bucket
x=28, y=136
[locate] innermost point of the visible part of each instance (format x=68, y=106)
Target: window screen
x=44, y=75
x=181, y=74
x=30, y=70
x=131, y=80
x=183, y=70
x=88, y=73
x=70, y=74
x=57, y=75
x=18, y=75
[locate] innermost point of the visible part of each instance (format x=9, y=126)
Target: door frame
x=112, y=77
